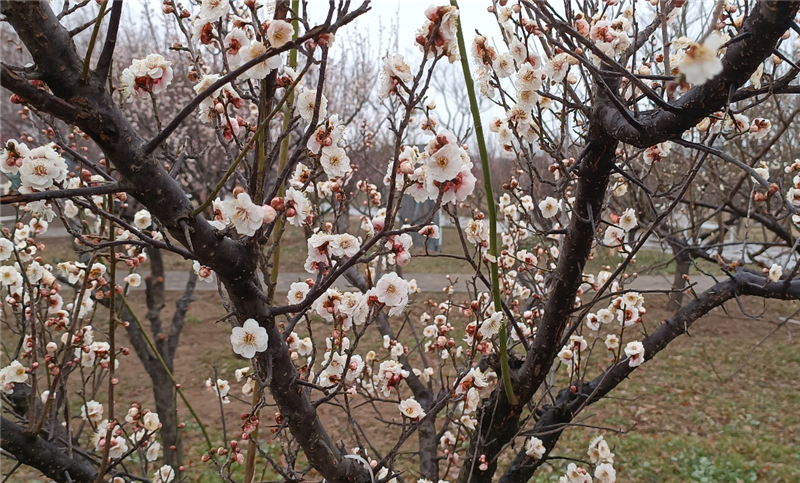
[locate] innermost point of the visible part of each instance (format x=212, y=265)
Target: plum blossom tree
x=617, y=115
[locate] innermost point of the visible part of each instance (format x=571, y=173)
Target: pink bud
x=402, y=258
x=406, y=167
x=432, y=13
x=269, y=214
x=278, y=204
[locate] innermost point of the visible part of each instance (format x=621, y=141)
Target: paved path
x=428, y=282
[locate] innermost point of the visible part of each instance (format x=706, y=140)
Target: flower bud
x=278, y=204
x=269, y=214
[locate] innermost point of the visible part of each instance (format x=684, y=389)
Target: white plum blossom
x=557, y=67
x=700, y=63
x=142, y=219
x=605, y=473
x=209, y=105
x=599, y=451
x=627, y=221
x=153, y=451
x=444, y=164
x=165, y=474
x=635, y=352
x=605, y=316
x=279, y=33
x=344, y=245
x=249, y=339
x=477, y=231
x=234, y=42
x=213, y=10
x=392, y=290
x=438, y=33
x=298, y=207
x=491, y=326
x=503, y=65
x=394, y=69
x=656, y=153
x=203, y=273
x=246, y=216
x=151, y=74
x=576, y=474
x=549, y=207
x=41, y=168
x=614, y=236
x=760, y=128
x=328, y=134
x=334, y=162
x=133, y=279
x=70, y=210
x=151, y=421
x=11, y=155
x=534, y=448
x=12, y=374
x=390, y=373
x=92, y=411
x=262, y=69
x=737, y=123
x=307, y=104
x=775, y=272
x=118, y=446
x=6, y=249
x=297, y=292
x=411, y=409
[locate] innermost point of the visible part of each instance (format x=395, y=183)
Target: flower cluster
x=39, y=169
x=240, y=211
x=150, y=75
x=437, y=36
x=394, y=72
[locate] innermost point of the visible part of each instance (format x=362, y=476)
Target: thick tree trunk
x=683, y=262
x=499, y=418
x=164, y=393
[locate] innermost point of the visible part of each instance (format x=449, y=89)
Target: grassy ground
x=710, y=409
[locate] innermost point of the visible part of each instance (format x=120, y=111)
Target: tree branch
x=232, y=75
x=103, y=189
x=569, y=403
x=767, y=22
x=45, y=456
x=106, y=56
